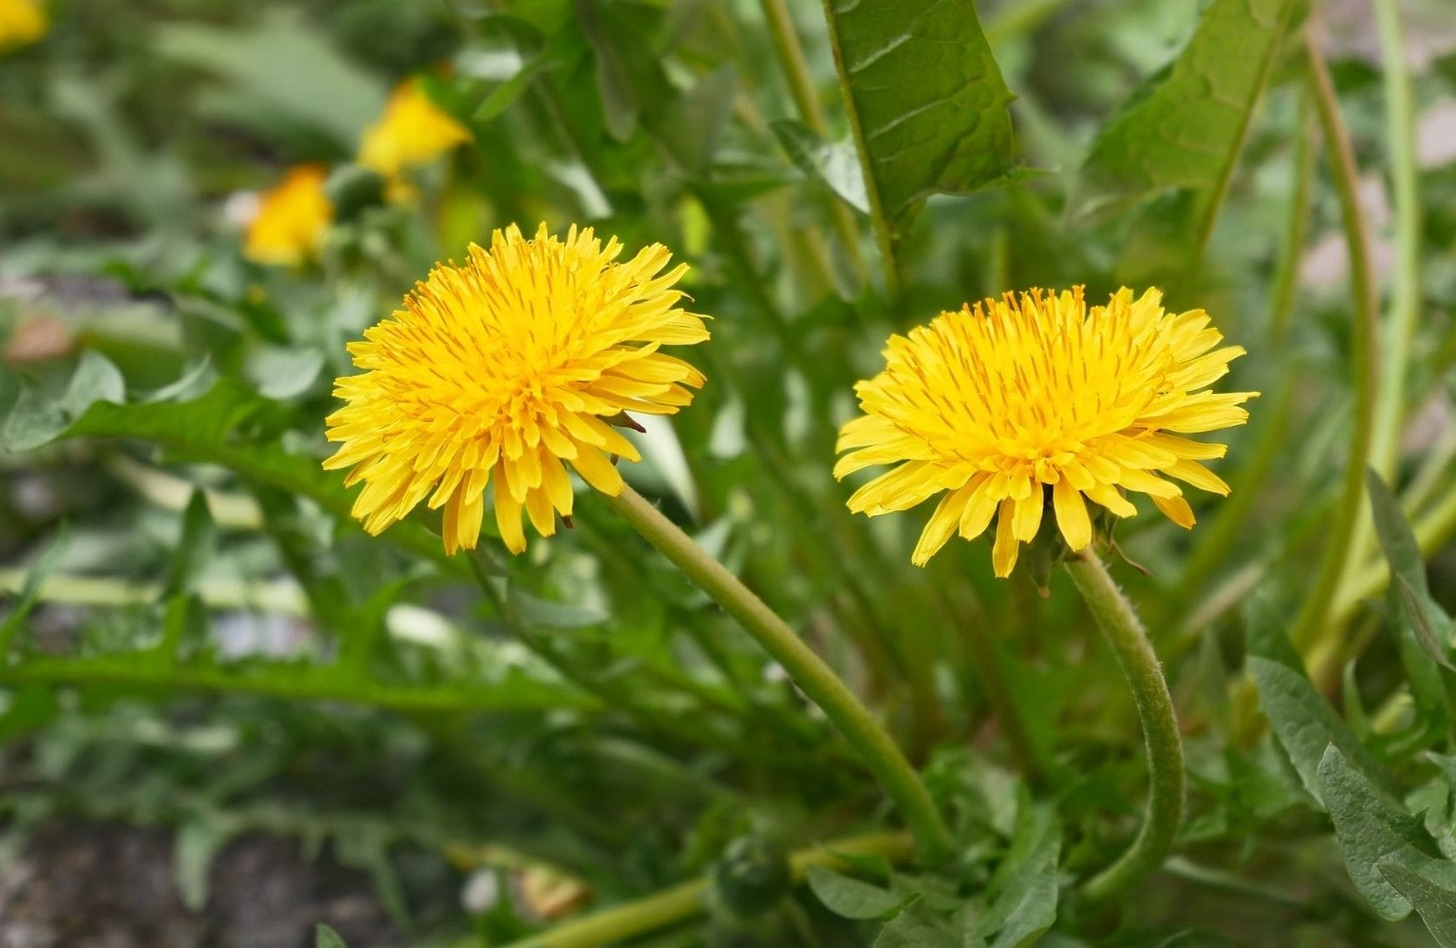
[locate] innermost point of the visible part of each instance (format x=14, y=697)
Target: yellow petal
x=1003, y=554
x=1176, y=509
x=941, y=526
x=1072, y=518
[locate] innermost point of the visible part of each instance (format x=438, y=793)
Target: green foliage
x=195, y=633
x=926, y=100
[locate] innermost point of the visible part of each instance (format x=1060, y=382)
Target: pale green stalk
x=1311, y=626
x=1404, y=306
x=1144, y=673
x=680, y=903
x=807, y=670
x=1405, y=288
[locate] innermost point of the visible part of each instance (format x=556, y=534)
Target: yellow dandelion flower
x=22, y=22
x=292, y=219
x=510, y=367
x=1008, y=401
x=412, y=131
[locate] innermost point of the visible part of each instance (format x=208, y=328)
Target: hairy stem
x=1140, y=665
x=815, y=678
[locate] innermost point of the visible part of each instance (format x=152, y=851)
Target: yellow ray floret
x=1013, y=404
x=412, y=131
x=503, y=371
x=22, y=22
x=292, y=219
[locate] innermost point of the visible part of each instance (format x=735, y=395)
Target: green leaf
x=283, y=372
x=1186, y=127
x=1024, y=888
x=283, y=66
x=610, y=37
x=1397, y=540
x=927, y=103
x=542, y=613
x=851, y=898
x=1430, y=625
x=835, y=164
x=26, y=710
x=1302, y=719
x=504, y=95
x=37, y=418
x=1306, y=724
x=30, y=593
x=1430, y=886
x=199, y=538
x=194, y=849
x=920, y=927
x=237, y=428
x=692, y=124
x=326, y=937
x=1425, y=616
x=1370, y=825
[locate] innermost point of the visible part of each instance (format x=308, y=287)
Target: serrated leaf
x=1186, y=127
x=928, y=103
x=1430, y=886
x=1370, y=825
x=326, y=937
x=1305, y=724
x=1024, y=888
x=851, y=898
x=208, y=428
x=833, y=163
x=1302, y=719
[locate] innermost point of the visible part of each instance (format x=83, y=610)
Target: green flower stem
x=682, y=902
x=807, y=669
x=1124, y=632
x=1405, y=288
x=1311, y=626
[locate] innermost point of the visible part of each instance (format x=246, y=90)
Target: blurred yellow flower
x=412, y=131
x=292, y=219
x=506, y=367
x=22, y=22
x=1008, y=401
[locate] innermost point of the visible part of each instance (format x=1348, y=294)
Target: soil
x=107, y=886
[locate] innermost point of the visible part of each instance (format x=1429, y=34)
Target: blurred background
x=229, y=715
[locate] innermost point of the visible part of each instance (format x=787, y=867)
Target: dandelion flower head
x=22, y=22
x=1013, y=404
x=291, y=220
x=412, y=131
x=506, y=369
